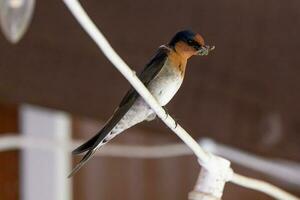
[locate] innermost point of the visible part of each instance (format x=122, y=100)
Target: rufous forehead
x=199, y=39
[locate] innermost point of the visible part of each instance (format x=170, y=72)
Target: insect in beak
x=204, y=51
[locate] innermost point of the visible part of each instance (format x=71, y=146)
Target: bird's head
x=187, y=44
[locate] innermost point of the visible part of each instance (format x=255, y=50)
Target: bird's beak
x=204, y=51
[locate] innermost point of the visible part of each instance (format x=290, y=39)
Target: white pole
x=43, y=172
x=87, y=24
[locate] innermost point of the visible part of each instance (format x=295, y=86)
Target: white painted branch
x=87, y=24
x=262, y=186
x=130, y=75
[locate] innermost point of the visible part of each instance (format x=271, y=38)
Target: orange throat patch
x=178, y=61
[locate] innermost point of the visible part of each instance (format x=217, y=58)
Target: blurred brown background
x=244, y=94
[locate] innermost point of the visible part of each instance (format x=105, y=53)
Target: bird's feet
x=166, y=112
x=176, y=124
x=167, y=115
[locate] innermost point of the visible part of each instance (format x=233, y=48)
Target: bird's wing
x=148, y=74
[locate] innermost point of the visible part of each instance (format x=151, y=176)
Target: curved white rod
x=87, y=24
x=204, y=158
x=262, y=186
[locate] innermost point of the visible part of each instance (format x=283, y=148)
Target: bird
x=162, y=76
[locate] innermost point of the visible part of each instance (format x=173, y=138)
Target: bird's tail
x=85, y=158
x=91, y=147
x=87, y=145
x=98, y=140
x=94, y=143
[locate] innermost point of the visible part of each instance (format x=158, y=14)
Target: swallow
x=162, y=76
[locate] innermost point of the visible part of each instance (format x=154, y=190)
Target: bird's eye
x=190, y=41
x=193, y=44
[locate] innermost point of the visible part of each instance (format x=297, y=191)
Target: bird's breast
x=167, y=82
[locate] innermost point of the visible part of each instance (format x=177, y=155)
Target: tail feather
x=91, y=147
x=103, y=132
x=85, y=158
x=87, y=145
x=98, y=140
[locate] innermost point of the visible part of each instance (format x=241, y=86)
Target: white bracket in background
x=212, y=178
x=44, y=171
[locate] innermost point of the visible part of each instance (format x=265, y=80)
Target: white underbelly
x=165, y=85
x=163, y=88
